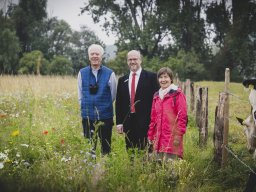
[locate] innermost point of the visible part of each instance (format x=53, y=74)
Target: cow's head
x=249, y=124
x=250, y=132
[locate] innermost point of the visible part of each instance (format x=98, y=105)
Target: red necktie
x=133, y=93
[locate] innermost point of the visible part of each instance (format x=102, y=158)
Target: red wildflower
x=45, y=132
x=62, y=141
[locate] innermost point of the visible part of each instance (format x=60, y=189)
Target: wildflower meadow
x=42, y=147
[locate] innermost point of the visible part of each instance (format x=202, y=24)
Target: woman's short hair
x=165, y=70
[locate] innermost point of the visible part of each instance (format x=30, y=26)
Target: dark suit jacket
x=147, y=86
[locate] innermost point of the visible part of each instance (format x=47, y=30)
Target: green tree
x=9, y=50
x=138, y=24
x=219, y=16
x=235, y=34
x=27, y=17
x=60, y=38
x=119, y=64
x=32, y=63
x=186, y=65
x=156, y=28
x=60, y=65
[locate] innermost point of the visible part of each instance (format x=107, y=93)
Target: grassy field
x=42, y=148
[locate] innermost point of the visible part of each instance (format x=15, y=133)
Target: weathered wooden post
x=226, y=119
x=202, y=114
x=197, y=105
x=187, y=92
x=218, y=128
x=220, y=137
x=192, y=98
x=203, y=129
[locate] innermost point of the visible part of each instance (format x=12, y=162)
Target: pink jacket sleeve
x=182, y=114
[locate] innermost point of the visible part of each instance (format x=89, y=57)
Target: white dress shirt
x=137, y=77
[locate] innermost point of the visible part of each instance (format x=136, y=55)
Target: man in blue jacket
x=96, y=93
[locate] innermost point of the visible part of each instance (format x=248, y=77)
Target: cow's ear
x=240, y=120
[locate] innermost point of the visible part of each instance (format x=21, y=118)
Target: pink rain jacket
x=168, y=122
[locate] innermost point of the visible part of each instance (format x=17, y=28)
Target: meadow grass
x=42, y=148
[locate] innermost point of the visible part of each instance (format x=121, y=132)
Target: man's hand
x=120, y=129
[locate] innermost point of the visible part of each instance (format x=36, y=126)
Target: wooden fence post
x=226, y=119
x=197, y=105
x=221, y=127
x=187, y=92
x=203, y=128
x=192, y=98
x=202, y=114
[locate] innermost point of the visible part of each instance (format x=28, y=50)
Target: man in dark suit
x=133, y=102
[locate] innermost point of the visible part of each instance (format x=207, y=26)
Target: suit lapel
x=126, y=85
x=139, y=90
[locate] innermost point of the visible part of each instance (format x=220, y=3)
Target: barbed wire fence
x=197, y=101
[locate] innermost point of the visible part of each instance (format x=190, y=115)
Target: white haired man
x=96, y=93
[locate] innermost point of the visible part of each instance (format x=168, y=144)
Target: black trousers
x=102, y=129
x=135, y=138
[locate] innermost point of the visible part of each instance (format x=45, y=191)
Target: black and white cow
x=249, y=125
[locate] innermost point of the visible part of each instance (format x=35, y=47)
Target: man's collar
x=137, y=72
x=93, y=69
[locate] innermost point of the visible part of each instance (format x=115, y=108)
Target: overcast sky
x=69, y=10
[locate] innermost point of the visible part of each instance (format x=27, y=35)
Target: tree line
x=32, y=43
x=197, y=39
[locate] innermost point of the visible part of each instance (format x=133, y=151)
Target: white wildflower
x=15, y=162
x=64, y=159
x=3, y=156
x=1, y=165
x=6, y=151
x=26, y=163
x=24, y=145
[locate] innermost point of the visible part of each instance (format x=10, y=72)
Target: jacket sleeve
x=181, y=105
x=152, y=125
x=118, y=103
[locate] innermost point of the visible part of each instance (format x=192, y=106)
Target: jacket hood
x=171, y=93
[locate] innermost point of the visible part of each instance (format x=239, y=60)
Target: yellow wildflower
x=15, y=133
x=8, y=161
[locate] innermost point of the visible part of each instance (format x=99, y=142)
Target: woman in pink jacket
x=168, y=118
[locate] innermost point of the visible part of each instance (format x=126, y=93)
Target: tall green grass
x=42, y=148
